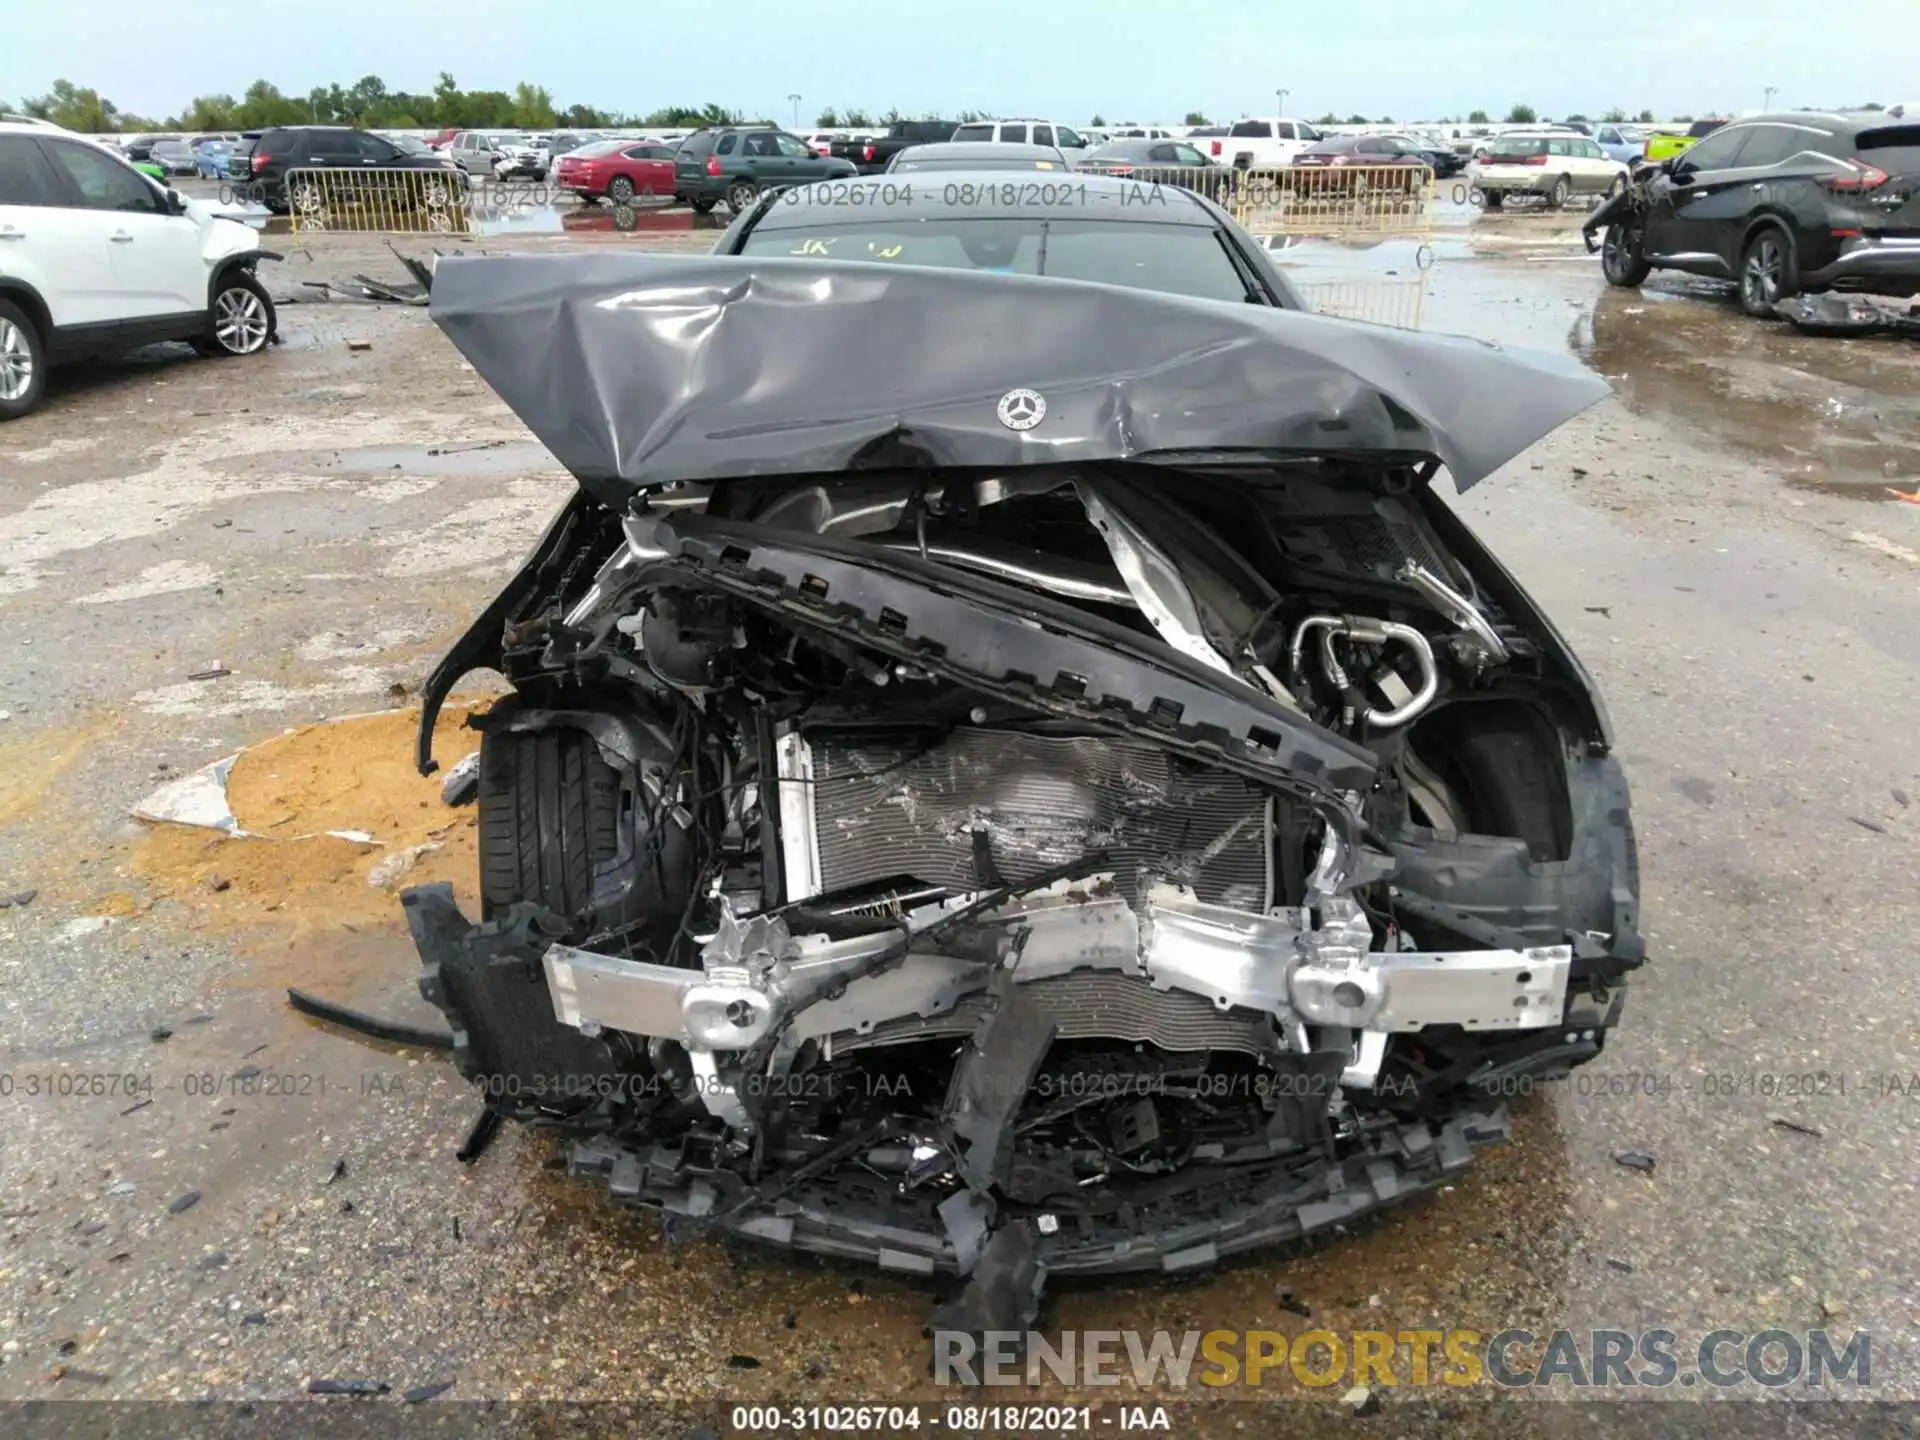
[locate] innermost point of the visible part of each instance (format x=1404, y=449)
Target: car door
x=1067, y=138
x=801, y=164
x=155, y=254
x=50, y=241
x=1013, y=134
x=760, y=159
x=1702, y=205
x=1043, y=135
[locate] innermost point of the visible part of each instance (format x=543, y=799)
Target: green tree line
x=367, y=103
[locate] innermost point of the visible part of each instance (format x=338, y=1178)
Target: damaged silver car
x=1013, y=777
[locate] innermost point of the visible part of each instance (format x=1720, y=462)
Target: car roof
x=983, y=150
x=995, y=195
x=1138, y=144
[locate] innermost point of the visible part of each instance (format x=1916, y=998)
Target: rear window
x=1700, y=129
x=25, y=176
x=1178, y=259
x=1251, y=130
x=1894, y=148
x=1517, y=149
x=973, y=132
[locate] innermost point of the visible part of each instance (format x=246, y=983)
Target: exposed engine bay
x=1007, y=872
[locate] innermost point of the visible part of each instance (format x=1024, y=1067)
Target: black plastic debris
x=339, y=1170
x=1875, y=826
x=1621, y=1265
x=160, y=1035
x=217, y=1260
x=391, y=1032
x=254, y=1317
x=419, y=1394
x=1362, y=1401
x=137, y=1105
x=486, y=1125
x=742, y=1362
x=1294, y=1305
x=462, y=784
x=1783, y=1123
x=1635, y=1160
x=348, y=1387
x=184, y=1203
x=1843, y=315
x=1003, y=1294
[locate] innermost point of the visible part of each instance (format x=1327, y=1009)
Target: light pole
x=796, y=110
x=1770, y=89
x=1281, y=96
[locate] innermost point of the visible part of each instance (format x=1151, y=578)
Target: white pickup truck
x=1260, y=142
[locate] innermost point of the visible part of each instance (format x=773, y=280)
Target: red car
x=621, y=170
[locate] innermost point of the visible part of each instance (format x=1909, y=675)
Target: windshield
x=410, y=145
x=1179, y=259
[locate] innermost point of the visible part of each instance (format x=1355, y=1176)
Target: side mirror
x=176, y=202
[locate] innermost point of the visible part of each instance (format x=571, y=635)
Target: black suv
x=1782, y=203
x=324, y=147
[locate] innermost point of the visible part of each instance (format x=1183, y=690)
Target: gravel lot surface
x=203, y=1195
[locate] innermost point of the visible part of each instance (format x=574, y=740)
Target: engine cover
x=991, y=806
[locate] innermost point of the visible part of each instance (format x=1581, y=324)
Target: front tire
x=23, y=363
x=1623, y=258
x=740, y=196
x=549, y=817
x=1769, y=272
x=240, y=318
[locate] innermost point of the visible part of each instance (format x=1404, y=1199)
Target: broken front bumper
x=1279, y=972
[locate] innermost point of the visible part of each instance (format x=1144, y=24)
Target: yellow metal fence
x=1379, y=200
x=374, y=200
x=1336, y=200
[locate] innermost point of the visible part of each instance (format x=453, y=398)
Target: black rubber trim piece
x=481, y=646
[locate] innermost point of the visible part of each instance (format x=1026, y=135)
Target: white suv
x=1020, y=132
x=1553, y=164
x=95, y=258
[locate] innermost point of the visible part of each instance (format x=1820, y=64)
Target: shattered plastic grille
x=1039, y=802
x=1095, y=1004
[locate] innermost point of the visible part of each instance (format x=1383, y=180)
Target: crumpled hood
x=636, y=370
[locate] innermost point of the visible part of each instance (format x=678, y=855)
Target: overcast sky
x=1065, y=59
